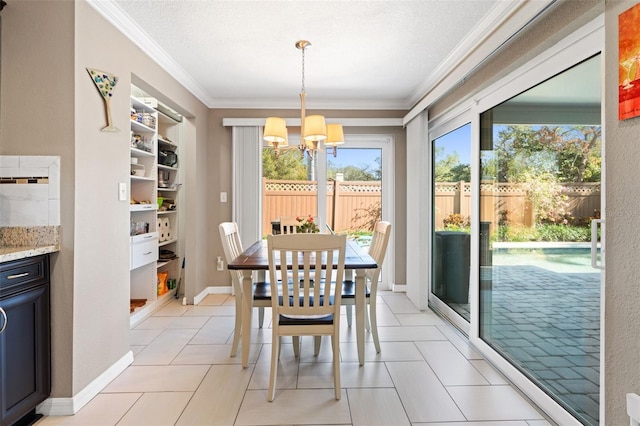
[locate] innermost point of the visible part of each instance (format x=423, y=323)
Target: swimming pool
x=557, y=257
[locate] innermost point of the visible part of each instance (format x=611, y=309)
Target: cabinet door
x=25, y=379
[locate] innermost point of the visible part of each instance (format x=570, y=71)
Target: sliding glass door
x=540, y=188
x=452, y=215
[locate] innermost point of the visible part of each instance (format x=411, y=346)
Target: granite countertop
x=19, y=242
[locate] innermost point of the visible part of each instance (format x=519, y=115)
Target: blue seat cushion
x=349, y=290
x=284, y=320
x=261, y=291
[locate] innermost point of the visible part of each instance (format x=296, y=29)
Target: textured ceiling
x=364, y=54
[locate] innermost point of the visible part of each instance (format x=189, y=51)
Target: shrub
x=456, y=221
x=543, y=232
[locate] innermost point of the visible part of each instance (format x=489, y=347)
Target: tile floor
x=426, y=374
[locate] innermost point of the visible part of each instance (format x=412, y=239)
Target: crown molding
x=346, y=122
x=123, y=23
x=313, y=105
x=497, y=16
x=516, y=14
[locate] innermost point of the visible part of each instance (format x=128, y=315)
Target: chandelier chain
x=303, y=49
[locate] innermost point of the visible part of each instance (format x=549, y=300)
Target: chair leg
x=238, y=326
x=317, y=340
x=296, y=345
x=260, y=317
x=374, y=323
x=349, y=314
x=335, y=345
x=275, y=354
x=367, y=323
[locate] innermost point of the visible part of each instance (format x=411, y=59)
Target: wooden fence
x=350, y=205
x=353, y=205
x=498, y=198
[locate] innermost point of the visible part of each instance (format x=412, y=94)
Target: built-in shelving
x=155, y=184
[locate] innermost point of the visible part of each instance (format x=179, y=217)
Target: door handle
x=4, y=321
x=594, y=243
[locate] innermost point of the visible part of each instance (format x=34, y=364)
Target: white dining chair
x=377, y=250
x=308, y=307
x=232, y=248
x=288, y=225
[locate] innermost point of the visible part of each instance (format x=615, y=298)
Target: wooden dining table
x=256, y=258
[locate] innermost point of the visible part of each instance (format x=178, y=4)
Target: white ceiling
x=370, y=54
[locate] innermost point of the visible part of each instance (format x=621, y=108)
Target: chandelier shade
x=275, y=131
x=313, y=128
x=335, y=135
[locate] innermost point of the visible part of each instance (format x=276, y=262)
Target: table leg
x=360, y=311
x=247, y=310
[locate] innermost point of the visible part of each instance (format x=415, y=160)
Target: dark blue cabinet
x=25, y=342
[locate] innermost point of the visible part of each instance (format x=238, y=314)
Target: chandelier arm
x=317, y=126
x=302, y=45
x=302, y=116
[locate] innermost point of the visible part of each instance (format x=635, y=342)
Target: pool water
x=563, y=260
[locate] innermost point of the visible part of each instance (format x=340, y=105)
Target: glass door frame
x=439, y=127
x=385, y=144
x=575, y=48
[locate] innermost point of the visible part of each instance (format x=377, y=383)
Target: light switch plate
x=122, y=191
x=223, y=197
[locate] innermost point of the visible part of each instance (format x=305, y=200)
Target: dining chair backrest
x=310, y=304
x=378, y=248
x=232, y=247
x=288, y=225
x=303, y=255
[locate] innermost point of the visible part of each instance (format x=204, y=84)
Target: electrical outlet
x=220, y=264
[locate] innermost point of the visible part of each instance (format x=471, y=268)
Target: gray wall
x=621, y=296
x=219, y=177
x=50, y=106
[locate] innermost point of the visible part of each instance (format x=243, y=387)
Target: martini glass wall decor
x=105, y=83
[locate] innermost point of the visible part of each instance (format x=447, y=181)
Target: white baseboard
x=211, y=290
x=70, y=406
x=399, y=288
x=144, y=312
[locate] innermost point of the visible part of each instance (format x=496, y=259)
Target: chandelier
x=313, y=128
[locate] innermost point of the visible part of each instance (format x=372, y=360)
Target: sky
x=458, y=141
x=358, y=157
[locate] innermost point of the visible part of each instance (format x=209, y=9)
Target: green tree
x=287, y=165
x=571, y=152
x=356, y=173
x=448, y=168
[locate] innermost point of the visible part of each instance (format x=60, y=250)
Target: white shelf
x=164, y=243
x=142, y=178
x=135, y=152
x=136, y=125
x=167, y=189
x=139, y=104
x=166, y=143
x=162, y=263
x=143, y=207
x=163, y=212
x=163, y=167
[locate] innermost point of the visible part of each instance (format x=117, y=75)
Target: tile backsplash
x=29, y=190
